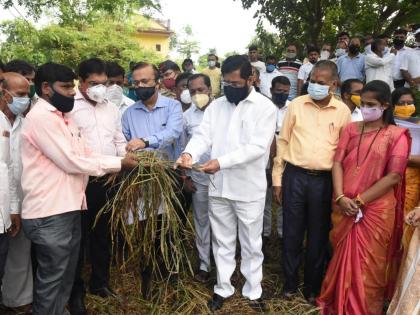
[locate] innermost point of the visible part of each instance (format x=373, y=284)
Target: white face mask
x=114, y=94
x=325, y=54
x=212, y=63
x=97, y=93
x=340, y=52
x=185, y=97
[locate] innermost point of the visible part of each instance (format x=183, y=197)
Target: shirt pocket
x=246, y=131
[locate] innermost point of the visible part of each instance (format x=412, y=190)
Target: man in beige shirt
x=302, y=171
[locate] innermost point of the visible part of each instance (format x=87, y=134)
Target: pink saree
x=364, y=265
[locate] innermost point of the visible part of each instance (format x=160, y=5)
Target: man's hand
x=129, y=162
x=15, y=227
x=277, y=194
x=413, y=217
x=134, y=145
x=211, y=167
x=189, y=186
x=184, y=161
x=348, y=206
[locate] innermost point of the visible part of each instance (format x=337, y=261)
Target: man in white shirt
x=280, y=91
x=238, y=129
x=305, y=69
x=199, y=86
x=99, y=121
x=350, y=95
x=378, y=66
x=17, y=287
x=114, y=87
x=410, y=64
x=253, y=58
x=268, y=75
x=399, y=38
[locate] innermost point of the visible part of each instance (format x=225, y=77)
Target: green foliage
x=315, y=21
x=69, y=45
x=186, y=44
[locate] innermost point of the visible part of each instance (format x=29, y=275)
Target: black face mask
x=398, y=43
x=144, y=93
x=236, y=95
x=279, y=99
x=353, y=49
x=63, y=103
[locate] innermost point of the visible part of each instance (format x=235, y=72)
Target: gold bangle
x=359, y=199
x=339, y=198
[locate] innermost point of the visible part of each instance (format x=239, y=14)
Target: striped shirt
x=290, y=69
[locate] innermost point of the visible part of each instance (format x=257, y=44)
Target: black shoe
x=215, y=303
x=104, y=292
x=258, y=305
x=77, y=305
x=288, y=295
x=311, y=298
x=202, y=276
x=146, y=283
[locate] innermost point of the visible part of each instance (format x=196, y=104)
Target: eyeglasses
x=234, y=85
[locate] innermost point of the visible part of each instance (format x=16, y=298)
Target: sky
x=220, y=24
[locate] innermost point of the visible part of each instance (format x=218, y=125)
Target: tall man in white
x=238, y=128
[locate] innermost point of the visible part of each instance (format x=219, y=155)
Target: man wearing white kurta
x=238, y=128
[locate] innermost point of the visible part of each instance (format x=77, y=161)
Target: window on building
x=158, y=48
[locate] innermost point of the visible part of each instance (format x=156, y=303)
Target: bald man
x=17, y=281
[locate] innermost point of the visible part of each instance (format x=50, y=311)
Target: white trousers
x=268, y=214
x=229, y=218
x=17, y=287
x=200, y=202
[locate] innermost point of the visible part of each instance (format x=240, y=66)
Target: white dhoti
x=200, y=202
x=229, y=218
x=17, y=287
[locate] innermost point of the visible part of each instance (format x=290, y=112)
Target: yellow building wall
x=149, y=41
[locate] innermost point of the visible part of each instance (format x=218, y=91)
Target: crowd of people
x=332, y=144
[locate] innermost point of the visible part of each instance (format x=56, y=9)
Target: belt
x=309, y=172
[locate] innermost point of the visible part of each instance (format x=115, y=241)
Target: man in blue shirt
x=352, y=64
x=154, y=122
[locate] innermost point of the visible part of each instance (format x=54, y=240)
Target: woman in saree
x=367, y=217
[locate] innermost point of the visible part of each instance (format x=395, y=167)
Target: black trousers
x=96, y=238
x=399, y=83
x=306, y=209
x=4, y=248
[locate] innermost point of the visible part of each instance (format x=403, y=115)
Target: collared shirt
x=309, y=135
x=290, y=69
x=351, y=68
x=304, y=71
x=161, y=126
x=259, y=65
x=4, y=173
x=125, y=103
x=215, y=76
x=239, y=137
x=192, y=120
x=396, y=72
x=100, y=124
x=266, y=78
x=15, y=170
x=411, y=63
x=379, y=68
x=56, y=163
x=356, y=115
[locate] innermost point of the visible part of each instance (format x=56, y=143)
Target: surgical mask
x=185, y=97
x=353, y=49
x=234, y=94
x=97, y=93
x=371, y=113
x=340, y=52
x=31, y=91
x=404, y=111
x=169, y=83
x=270, y=68
x=63, y=103
x=211, y=63
x=279, y=99
x=19, y=104
x=356, y=99
x=144, y=93
x=290, y=55
x=317, y=91
x=114, y=94
x=200, y=100
x=325, y=54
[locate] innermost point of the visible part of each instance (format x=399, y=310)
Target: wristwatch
x=146, y=142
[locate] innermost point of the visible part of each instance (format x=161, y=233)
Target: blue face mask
x=18, y=105
x=270, y=68
x=317, y=91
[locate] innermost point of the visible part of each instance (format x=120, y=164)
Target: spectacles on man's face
x=232, y=84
